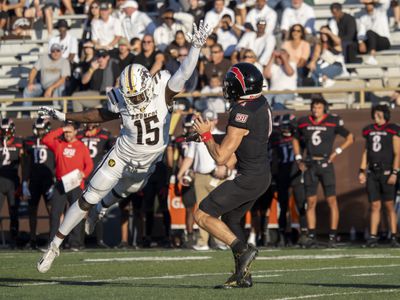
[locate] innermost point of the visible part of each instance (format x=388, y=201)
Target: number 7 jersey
x=145, y=133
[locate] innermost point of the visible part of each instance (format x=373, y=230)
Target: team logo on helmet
x=111, y=163
x=240, y=77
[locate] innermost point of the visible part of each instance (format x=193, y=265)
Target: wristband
x=395, y=171
x=206, y=136
x=338, y=150
x=298, y=157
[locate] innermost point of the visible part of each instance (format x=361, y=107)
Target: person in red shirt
x=70, y=154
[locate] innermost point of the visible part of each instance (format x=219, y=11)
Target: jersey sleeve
x=191, y=149
x=340, y=129
x=365, y=131
x=160, y=81
x=113, y=100
x=239, y=117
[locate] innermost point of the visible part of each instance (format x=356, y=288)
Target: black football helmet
x=41, y=127
x=243, y=81
x=7, y=128
x=286, y=124
x=91, y=126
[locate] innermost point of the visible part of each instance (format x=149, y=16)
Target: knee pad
x=84, y=205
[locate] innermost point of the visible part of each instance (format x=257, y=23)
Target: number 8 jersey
x=147, y=131
x=319, y=136
x=380, y=143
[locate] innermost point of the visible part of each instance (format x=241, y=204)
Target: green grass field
x=182, y=274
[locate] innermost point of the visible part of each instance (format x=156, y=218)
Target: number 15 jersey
x=145, y=133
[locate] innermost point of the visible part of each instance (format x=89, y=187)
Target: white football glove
x=25, y=190
x=200, y=34
x=49, y=111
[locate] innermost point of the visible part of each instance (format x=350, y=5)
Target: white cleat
x=92, y=219
x=45, y=262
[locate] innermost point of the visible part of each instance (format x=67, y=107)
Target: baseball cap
x=123, y=41
x=210, y=115
x=62, y=23
x=55, y=47
x=129, y=3
x=261, y=21
x=105, y=6
x=102, y=53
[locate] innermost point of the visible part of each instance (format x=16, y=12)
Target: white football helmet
x=136, y=85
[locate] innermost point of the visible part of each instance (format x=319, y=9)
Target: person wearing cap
x=298, y=13
x=262, y=11
x=69, y=43
x=107, y=30
x=54, y=70
x=123, y=55
x=260, y=42
x=208, y=175
x=134, y=22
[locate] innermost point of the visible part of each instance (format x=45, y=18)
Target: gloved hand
x=200, y=34
x=49, y=111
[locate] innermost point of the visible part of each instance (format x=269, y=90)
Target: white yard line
x=328, y=256
x=340, y=294
x=366, y=274
x=148, y=258
x=70, y=277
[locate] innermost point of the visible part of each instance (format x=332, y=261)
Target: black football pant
x=38, y=188
x=58, y=203
x=8, y=187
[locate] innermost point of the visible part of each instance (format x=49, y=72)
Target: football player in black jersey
x=10, y=158
x=246, y=140
x=379, y=169
x=318, y=132
x=37, y=173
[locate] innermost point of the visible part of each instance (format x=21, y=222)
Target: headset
x=383, y=108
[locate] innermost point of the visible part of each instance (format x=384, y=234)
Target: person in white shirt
x=262, y=11
x=208, y=175
x=172, y=22
x=107, y=30
x=69, y=43
x=134, y=22
x=373, y=31
x=214, y=16
x=227, y=36
x=283, y=76
x=298, y=13
x=260, y=42
x=216, y=104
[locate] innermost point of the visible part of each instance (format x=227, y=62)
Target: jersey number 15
x=148, y=129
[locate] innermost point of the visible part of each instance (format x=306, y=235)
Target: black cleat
x=394, y=243
x=244, y=261
x=332, y=242
x=232, y=282
x=311, y=243
x=372, y=242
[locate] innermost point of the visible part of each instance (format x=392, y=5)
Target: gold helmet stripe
x=130, y=78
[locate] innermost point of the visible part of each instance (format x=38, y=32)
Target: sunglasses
x=215, y=52
x=296, y=30
x=55, y=50
x=182, y=55
x=94, y=6
x=147, y=42
x=249, y=56
x=168, y=18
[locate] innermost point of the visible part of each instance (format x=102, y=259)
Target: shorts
x=320, y=171
x=377, y=187
x=188, y=196
x=240, y=193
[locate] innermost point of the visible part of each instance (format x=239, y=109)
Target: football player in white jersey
x=144, y=104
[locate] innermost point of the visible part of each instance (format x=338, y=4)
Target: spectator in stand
x=328, y=60
x=70, y=155
x=298, y=13
x=136, y=46
x=214, y=16
x=206, y=50
x=217, y=66
x=3, y=17
x=344, y=26
x=101, y=75
x=122, y=55
x=150, y=57
x=49, y=7
x=227, y=36
x=396, y=13
x=180, y=41
x=250, y=57
x=54, y=70
x=259, y=41
x=87, y=56
x=283, y=76
x=93, y=14
x=374, y=33
x=299, y=50
x=134, y=22
x=69, y=43
x=215, y=103
x=262, y=11
x=171, y=23
x=14, y=8
x=107, y=30
x=196, y=9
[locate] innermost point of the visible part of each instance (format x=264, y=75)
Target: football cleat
x=244, y=261
x=372, y=242
x=232, y=282
x=394, y=243
x=92, y=219
x=45, y=262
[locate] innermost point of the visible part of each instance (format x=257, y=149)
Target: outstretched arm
x=94, y=115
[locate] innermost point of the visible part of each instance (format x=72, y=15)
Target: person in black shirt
x=318, y=132
x=246, y=141
x=379, y=167
x=37, y=173
x=150, y=57
x=10, y=154
x=122, y=55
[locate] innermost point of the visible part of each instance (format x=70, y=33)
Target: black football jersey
x=282, y=147
x=318, y=137
x=39, y=160
x=98, y=143
x=379, y=141
x=10, y=157
x=252, y=153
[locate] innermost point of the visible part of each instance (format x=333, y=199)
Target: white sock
x=57, y=241
x=72, y=218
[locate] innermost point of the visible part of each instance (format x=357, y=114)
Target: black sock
x=311, y=233
x=332, y=234
x=238, y=246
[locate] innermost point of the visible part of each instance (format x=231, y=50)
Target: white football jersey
x=144, y=135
